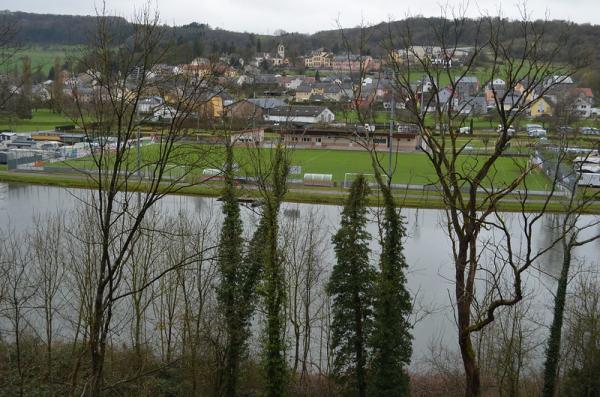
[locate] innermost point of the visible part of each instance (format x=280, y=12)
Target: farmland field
x=43, y=120
x=42, y=57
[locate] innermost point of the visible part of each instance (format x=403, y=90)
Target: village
x=197, y=202
x=326, y=102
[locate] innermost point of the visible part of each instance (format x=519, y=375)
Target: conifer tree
x=239, y=276
x=351, y=287
x=265, y=249
x=391, y=341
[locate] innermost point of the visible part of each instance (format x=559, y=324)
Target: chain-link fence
x=37, y=159
x=553, y=161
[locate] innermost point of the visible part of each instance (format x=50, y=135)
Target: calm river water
x=427, y=247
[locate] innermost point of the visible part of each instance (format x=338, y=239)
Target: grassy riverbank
x=297, y=193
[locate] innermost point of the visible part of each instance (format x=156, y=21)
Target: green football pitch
x=409, y=168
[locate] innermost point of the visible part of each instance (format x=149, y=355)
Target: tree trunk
x=472, y=386
x=553, y=351
x=472, y=379
x=361, y=383
x=96, y=348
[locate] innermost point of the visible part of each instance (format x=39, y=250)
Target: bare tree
x=17, y=308
x=575, y=230
x=9, y=49
x=302, y=247
x=48, y=260
x=582, y=333
x=111, y=122
x=471, y=188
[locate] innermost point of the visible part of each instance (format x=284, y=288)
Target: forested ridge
x=202, y=39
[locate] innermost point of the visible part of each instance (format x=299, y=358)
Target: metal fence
x=550, y=158
x=37, y=160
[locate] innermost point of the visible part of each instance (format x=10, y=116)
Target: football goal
x=349, y=177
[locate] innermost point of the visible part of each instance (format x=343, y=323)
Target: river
x=427, y=248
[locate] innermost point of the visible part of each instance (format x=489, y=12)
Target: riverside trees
x=111, y=121
x=351, y=286
x=471, y=194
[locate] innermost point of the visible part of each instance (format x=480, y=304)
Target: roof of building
x=467, y=79
x=266, y=103
x=298, y=111
x=583, y=91
x=304, y=88
x=409, y=133
x=317, y=97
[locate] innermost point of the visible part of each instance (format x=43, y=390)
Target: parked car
x=464, y=130
x=510, y=130
x=534, y=127
x=589, y=131
x=537, y=133
x=535, y=130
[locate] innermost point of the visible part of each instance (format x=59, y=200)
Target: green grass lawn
x=42, y=120
x=410, y=168
x=350, y=116
x=413, y=168
x=42, y=57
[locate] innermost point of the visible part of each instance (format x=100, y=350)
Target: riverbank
x=410, y=198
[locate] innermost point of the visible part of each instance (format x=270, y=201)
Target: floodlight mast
x=393, y=105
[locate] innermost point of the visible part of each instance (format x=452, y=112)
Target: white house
x=163, y=113
x=300, y=114
x=582, y=101
x=149, y=105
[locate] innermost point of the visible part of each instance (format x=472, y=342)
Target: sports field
x=409, y=168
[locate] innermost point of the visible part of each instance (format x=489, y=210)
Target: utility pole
x=393, y=105
x=139, y=160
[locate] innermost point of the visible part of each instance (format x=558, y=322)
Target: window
x=380, y=140
x=305, y=139
x=319, y=140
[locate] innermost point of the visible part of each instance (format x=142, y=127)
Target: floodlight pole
x=393, y=105
x=139, y=120
x=138, y=153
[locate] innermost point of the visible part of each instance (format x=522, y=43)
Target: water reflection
x=427, y=247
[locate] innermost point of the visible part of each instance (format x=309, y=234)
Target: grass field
x=331, y=196
x=410, y=168
x=42, y=57
x=351, y=117
x=43, y=119
x=413, y=168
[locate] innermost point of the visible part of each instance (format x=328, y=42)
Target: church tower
x=281, y=50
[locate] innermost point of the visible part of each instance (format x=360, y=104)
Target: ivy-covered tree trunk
x=230, y=266
x=273, y=288
x=351, y=287
x=554, y=340
x=391, y=341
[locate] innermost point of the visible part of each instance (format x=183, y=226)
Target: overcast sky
x=307, y=16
